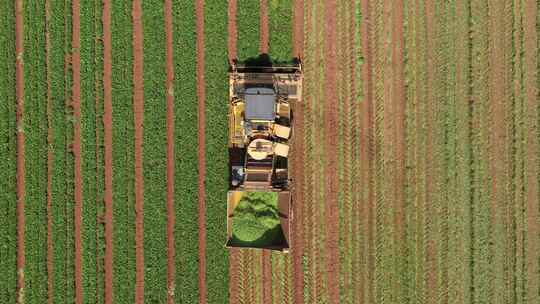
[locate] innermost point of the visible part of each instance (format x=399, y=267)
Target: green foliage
x=185, y=108
x=123, y=170
x=155, y=158
x=8, y=146
x=216, y=67
x=247, y=20
x=280, y=29
x=92, y=152
x=35, y=129
x=256, y=220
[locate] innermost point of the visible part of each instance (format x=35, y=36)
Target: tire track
x=199, y=12
x=108, y=158
x=298, y=166
x=138, y=110
x=19, y=91
x=266, y=276
x=169, y=87
x=76, y=146
x=263, y=27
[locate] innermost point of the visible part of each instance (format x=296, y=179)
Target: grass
x=155, y=145
x=8, y=239
x=35, y=128
x=186, y=230
x=216, y=67
x=123, y=156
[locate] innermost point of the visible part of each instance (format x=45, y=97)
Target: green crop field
x=415, y=159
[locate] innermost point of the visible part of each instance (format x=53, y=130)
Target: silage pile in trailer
x=256, y=220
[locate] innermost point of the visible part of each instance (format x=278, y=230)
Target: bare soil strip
x=234, y=278
x=532, y=147
x=266, y=277
x=231, y=29
x=331, y=137
x=76, y=104
x=169, y=86
x=298, y=29
x=366, y=156
x=50, y=252
x=264, y=34
x=108, y=160
x=201, y=96
x=19, y=75
x=138, y=110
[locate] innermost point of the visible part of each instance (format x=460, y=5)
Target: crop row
x=216, y=184
x=123, y=154
x=185, y=112
x=35, y=129
x=92, y=150
x=280, y=28
x=8, y=250
x=154, y=153
x=247, y=20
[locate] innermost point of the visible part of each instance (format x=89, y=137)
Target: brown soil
x=169, y=86
x=286, y=289
x=19, y=75
x=366, y=156
x=199, y=10
x=138, y=109
x=532, y=149
x=264, y=33
x=298, y=166
x=76, y=103
x=49, y=161
x=231, y=28
x=298, y=28
x=331, y=144
x=108, y=159
x=266, y=277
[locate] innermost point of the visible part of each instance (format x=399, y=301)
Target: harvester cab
x=261, y=103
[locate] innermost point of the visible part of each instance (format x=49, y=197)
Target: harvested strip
x=169, y=87
x=76, y=148
x=50, y=252
x=331, y=129
x=199, y=11
x=138, y=110
x=108, y=156
x=19, y=75
x=263, y=38
x=532, y=149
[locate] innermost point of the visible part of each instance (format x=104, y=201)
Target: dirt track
x=108, y=160
x=19, y=75
x=231, y=29
x=169, y=87
x=264, y=34
x=199, y=11
x=76, y=104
